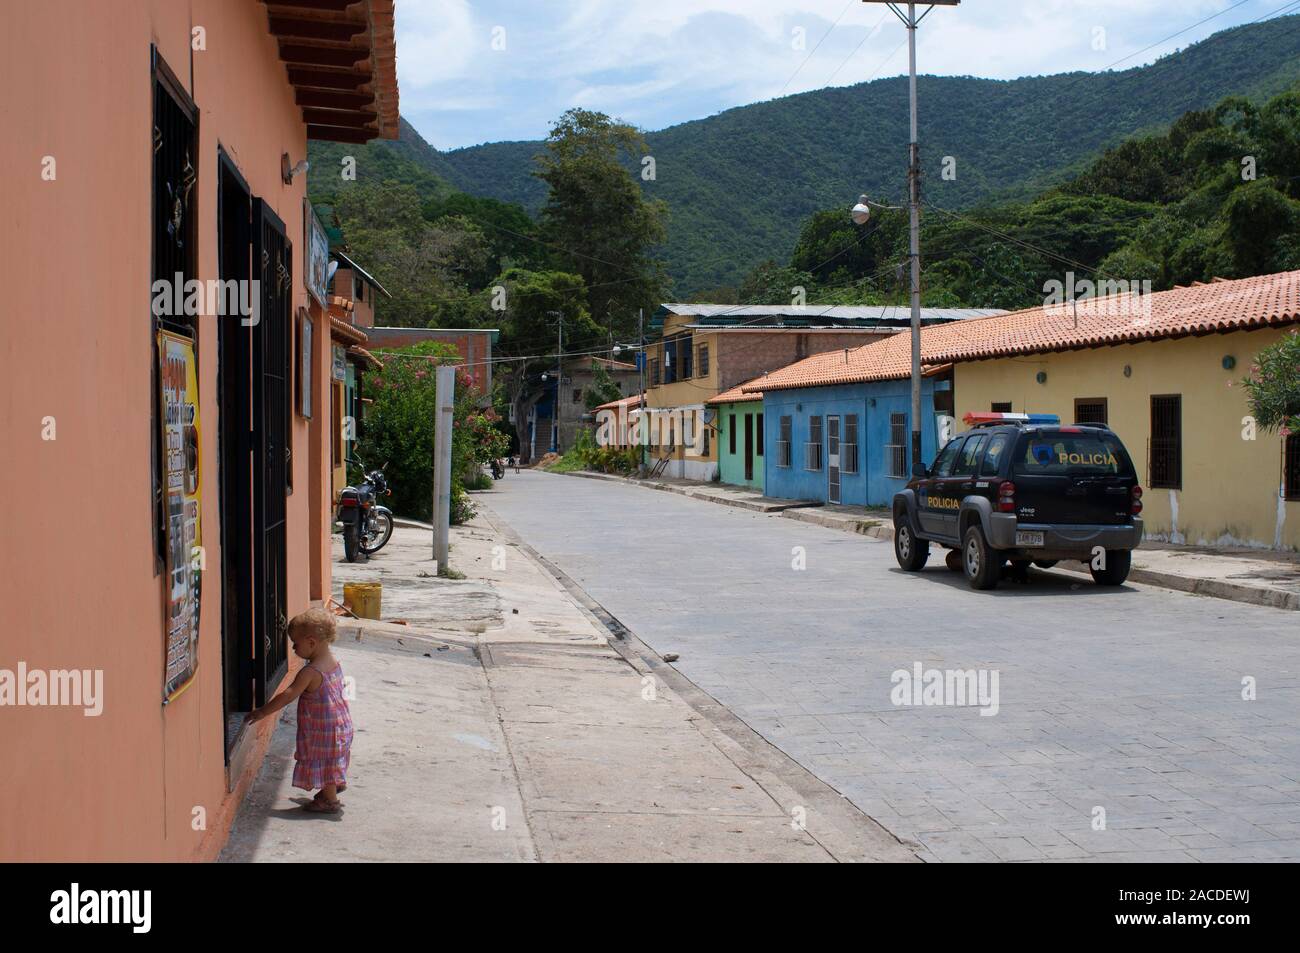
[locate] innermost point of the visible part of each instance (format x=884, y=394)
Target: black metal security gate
x=272, y=348
x=235, y=394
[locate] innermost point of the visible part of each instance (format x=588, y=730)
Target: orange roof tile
x=357, y=351
x=343, y=331
x=737, y=394
x=1215, y=307
x=626, y=403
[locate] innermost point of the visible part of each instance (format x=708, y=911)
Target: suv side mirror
x=920, y=470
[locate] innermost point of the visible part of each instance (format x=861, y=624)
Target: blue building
x=838, y=426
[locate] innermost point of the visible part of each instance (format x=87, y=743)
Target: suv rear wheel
x=1116, y=568
x=910, y=552
x=981, y=564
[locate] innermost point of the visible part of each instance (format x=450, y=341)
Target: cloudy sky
x=489, y=70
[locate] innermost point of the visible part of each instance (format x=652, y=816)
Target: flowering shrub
x=1273, y=386
x=399, y=429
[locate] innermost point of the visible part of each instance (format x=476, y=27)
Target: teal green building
x=739, y=426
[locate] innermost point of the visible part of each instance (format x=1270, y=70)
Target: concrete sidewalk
x=1258, y=577
x=503, y=723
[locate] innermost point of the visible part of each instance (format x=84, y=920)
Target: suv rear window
x=1050, y=453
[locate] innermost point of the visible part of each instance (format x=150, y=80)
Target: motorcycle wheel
x=384, y=532
x=351, y=542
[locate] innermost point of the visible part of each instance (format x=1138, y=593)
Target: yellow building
x=1209, y=475
x=1164, y=371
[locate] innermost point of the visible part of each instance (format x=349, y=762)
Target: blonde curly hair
x=316, y=622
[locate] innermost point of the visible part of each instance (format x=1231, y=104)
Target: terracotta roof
x=1212, y=308
x=625, y=403
x=341, y=57
x=342, y=331
x=361, y=352
x=737, y=394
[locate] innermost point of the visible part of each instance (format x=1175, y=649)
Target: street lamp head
x=861, y=213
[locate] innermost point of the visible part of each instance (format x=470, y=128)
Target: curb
x=845, y=831
x=806, y=512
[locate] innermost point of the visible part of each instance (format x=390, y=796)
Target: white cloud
x=676, y=60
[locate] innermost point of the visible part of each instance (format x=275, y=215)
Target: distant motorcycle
x=498, y=470
x=367, y=526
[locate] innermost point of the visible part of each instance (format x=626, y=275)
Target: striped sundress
x=324, y=734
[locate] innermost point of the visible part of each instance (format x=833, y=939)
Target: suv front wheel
x=981, y=565
x=910, y=552
x=1115, y=569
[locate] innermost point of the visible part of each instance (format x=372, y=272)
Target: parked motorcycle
x=498, y=470
x=367, y=526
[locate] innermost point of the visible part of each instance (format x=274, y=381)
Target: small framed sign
x=306, y=362
x=316, y=250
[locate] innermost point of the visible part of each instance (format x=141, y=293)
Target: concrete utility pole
x=445, y=378
x=912, y=21
x=642, y=428
x=559, y=379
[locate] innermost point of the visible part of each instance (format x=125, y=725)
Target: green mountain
x=739, y=184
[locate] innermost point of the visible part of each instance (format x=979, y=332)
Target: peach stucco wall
x=80, y=590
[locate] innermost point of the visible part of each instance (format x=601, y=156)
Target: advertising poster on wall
x=182, y=489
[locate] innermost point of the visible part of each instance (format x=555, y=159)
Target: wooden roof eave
x=341, y=61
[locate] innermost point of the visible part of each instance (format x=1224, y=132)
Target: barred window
x=813, y=448
x=1166, y=449
x=783, y=455
x=849, y=445
x=703, y=370
x=1090, y=410
x=896, y=449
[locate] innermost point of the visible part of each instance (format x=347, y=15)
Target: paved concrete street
x=1127, y=701
x=497, y=723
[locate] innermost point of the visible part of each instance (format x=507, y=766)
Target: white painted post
x=446, y=398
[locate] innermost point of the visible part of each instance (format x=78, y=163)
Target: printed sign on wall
x=182, y=498
x=316, y=246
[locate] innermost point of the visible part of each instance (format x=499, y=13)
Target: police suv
x=1023, y=488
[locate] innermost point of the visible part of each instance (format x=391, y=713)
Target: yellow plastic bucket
x=363, y=598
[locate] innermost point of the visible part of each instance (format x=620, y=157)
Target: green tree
x=597, y=221
x=529, y=329
x=400, y=428
x=427, y=267
x=603, y=388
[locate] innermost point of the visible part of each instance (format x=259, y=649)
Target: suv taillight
x=1137, y=500
x=1007, y=497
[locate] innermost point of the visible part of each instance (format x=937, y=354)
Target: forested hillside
x=737, y=183
x=1218, y=195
